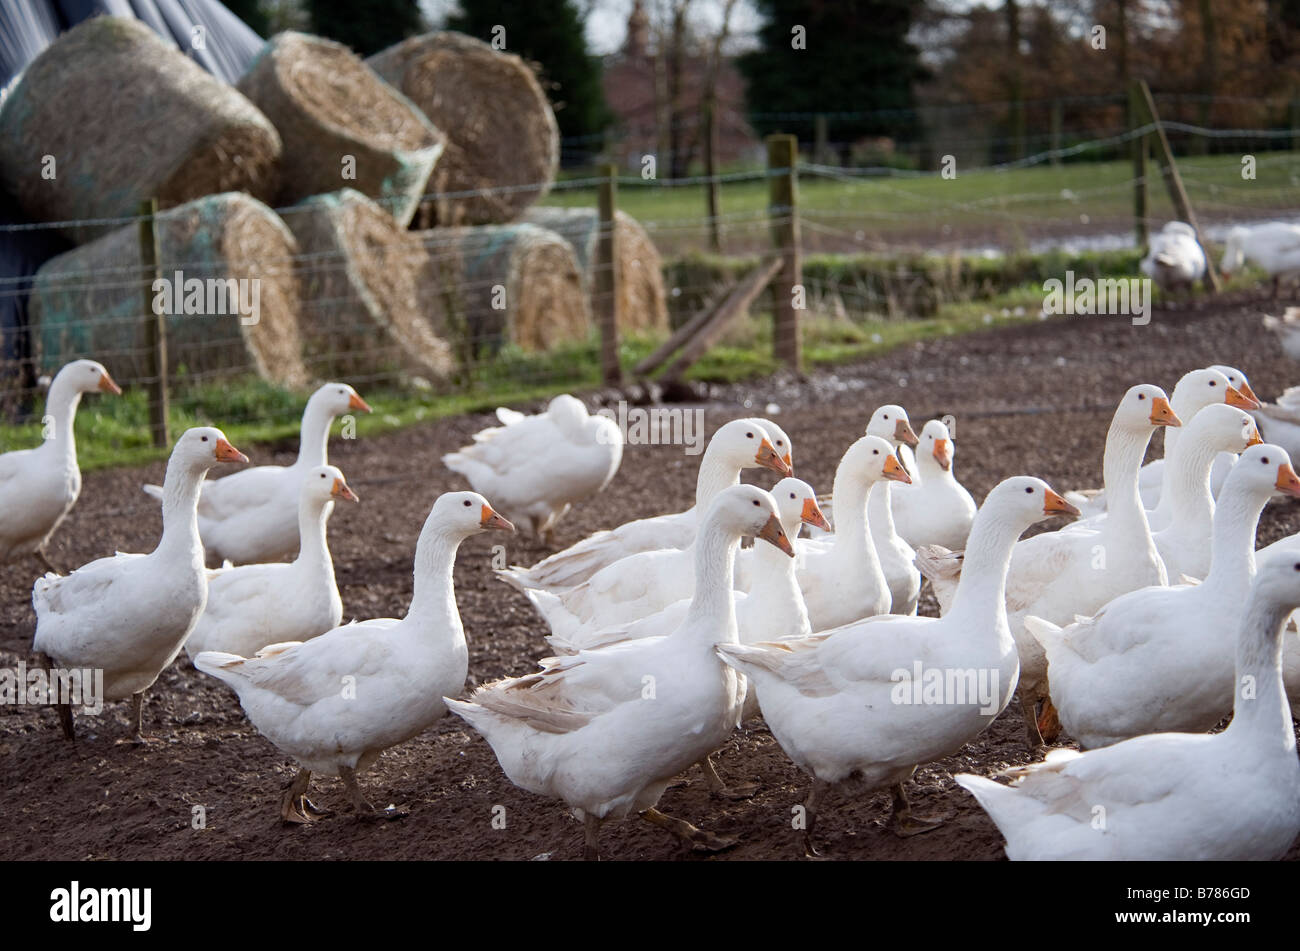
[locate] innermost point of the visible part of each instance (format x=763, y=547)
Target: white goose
x=129, y=614
x=1057, y=575
x=1279, y=422
x=253, y=606
x=851, y=703
x=605, y=731
x=1275, y=247
x=1174, y=796
x=1160, y=658
x=842, y=578
x=1215, y=432
x=535, y=467
x=935, y=509
x=737, y=445
x=1175, y=259
x=297, y=695
x=252, y=516
x=38, y=487
x=1287, y=330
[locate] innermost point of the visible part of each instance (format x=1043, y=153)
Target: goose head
x=782, y=443
x=1223, y=428
x=1143, y=408
x=338, y=398
x=1233, y=251
x=463, y=514
x=203, y=447
x=326, y=483
x=1278, y=579
x=1023, y=500
x=1201, y=388
x=748, y=510
x=890, y=422
x=872, y=459
x=936, y=443
x=85, y=376
x=1237, y=380
x=796, y=502
x=567, y=412
x=1262, y=470
x=745, y=444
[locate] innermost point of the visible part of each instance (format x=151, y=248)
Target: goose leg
x=1049, y=724
x=63, y=710
x=721, y=790
x=905, y=824
x=360, y=805
x=137, y=719
x=698, y=839
x=40, y=556
x=1029, y=713
x=816, y=797
x=590, y=833
x=295, y=807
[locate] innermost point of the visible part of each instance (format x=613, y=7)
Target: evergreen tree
x=548, y=32
x=846, y=56
x=366, y=27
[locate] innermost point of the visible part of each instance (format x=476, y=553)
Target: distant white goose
x=1175, y=259
x=935, y=509
x=1274, y=247
x=1160, y=658
x=737, y=445
x=38, y=487
x=606, y=731
x=857, y=704
x=1279, y=422
x=252, y=516
x=336, y=702
x=534, y=468
x=1174, y=796
x=129, y=615
x=1287, y=330
x=253, y=606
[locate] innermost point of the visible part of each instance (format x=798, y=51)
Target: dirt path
x=1032, y=399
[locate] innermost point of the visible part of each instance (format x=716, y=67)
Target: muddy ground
x=1028, y=399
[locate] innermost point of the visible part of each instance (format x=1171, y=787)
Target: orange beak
x=1247, y=392
x=768, y=459
x=1053, y=504
x=903, y=433
x=774, y=533
x=941, y=454
x=342, y=491
x=108, y=386
x=228, y=453
x=1288, y=483
x=1235, y=397
x=789, y=462
x=356, y=402
x=812, y=515
x=1255, y=438
x=492, y=521
x=894, y=470
x=1162, y=414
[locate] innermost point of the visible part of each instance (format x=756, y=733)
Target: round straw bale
x=215, y=255
x=122, y=116
x=517, y=284
x=360, y=285
x=642, y=303
x=500, y=129
x=341, y=124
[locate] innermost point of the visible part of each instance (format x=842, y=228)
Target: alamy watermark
x=41, y=687
x=1108, y=296
x=213, y=297
x=657, y=426
x=944, y=686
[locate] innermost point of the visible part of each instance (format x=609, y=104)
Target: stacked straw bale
x=338, y=119
x=500, y=129
x=642, y=302
x=124, y=117
x=90, y=301
x=496, y=284
x=360, y=284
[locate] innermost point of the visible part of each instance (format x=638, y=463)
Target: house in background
x=636, y=82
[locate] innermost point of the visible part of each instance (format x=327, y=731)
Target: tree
x=849, y=56
x=549, y=33
x=366, y=27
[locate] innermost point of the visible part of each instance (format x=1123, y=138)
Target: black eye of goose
x=1297, y=567
x=755, y=501
x=1142, y=396
x=322, y=475
x=468, y=503
x=203, y=438
x=1029, y=489
x=791, y=495
x=1264, y=460
x=1214, y=383
x=749, y=435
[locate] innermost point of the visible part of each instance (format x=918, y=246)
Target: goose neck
x=1261, y=712
x=981, y=590
x=313, y=443
x=180, y=508
x=313, y=545
x=1187, y=475
x=1232, y=543
x=715, y=475
x=60, y=416
x=435, y=555
x=1125, y=448
x=712, y=605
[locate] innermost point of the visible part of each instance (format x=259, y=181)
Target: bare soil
x=1030, y=399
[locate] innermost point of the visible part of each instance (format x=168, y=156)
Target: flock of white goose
x=1137, y=628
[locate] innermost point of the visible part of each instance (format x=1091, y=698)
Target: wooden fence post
x=155, y=326
x=1139, y=148
x=712, y=187
x=606, y=285
x=783, y=211
x=1055, y=130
